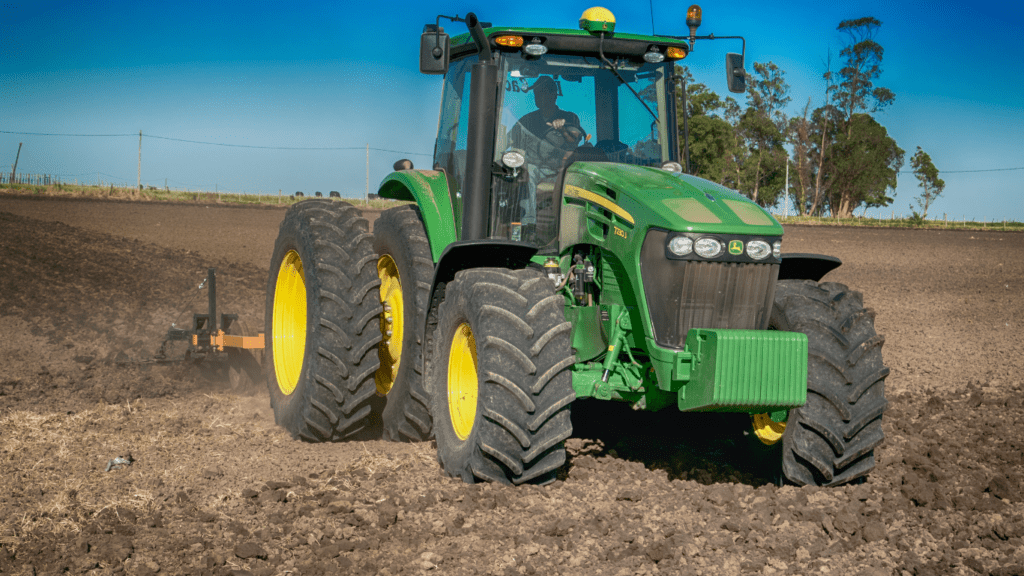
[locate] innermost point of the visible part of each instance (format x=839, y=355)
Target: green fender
x=429, y=189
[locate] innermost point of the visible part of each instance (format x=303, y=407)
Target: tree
x=928, y=179
x=763, y=163
x=799, y=133
x=863, y=167
x=711, y=138
x=823, y=129
x=761, y=126
x=848, y=175
x=861, y=66
x=710, y=147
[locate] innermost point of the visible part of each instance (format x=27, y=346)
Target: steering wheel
x=566, y=138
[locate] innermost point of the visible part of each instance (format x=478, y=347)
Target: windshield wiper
x=600, y=51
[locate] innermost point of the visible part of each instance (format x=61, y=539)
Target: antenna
x=651, y=2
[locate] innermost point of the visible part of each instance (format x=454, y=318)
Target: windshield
x=560, y=109
x=558, y=103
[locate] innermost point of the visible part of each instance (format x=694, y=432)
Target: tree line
x=840, y=157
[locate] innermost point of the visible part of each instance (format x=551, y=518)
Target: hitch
x=208, y=333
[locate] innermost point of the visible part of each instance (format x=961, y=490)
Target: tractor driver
x=547, y=133
x=547, y=136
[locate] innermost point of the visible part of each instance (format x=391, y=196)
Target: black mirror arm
x=743, y=50
x=437, y=31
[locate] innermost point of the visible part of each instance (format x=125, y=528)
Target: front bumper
x=719, y=370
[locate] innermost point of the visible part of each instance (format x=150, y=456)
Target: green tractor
x=557, y=250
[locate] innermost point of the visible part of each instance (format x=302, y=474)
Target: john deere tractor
x=558, y=250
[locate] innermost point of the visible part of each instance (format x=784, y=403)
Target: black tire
x=515, y=431
x=831, y=439
x=400, y=241
x=323, y=390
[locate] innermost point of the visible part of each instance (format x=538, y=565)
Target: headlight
x=777, y=249
x=513, y=159
x=758, y=249
x=707, y=247
x=680, y=246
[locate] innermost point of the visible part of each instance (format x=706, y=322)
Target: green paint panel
x=429, y=189
x=745, y=371
x=655, y=197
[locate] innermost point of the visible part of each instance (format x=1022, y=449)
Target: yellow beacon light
x=693, y=16
x=597, y=19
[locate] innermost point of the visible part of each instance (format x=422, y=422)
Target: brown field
x=87, y=288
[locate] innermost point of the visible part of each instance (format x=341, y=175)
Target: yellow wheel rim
x=391, y=319
x=289, y=322
x=768, y=431
x=462, y=382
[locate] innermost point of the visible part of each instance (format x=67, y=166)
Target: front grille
x=685, y=294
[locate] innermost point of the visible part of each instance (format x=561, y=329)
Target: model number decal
x=619, y=232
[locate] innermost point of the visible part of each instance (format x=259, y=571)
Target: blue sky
x=328, y=74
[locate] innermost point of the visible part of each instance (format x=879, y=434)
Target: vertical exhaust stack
x=479, y=137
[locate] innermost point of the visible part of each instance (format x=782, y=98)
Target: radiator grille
x=685, y=294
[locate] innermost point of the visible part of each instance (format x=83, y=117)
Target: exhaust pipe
x=479, y=137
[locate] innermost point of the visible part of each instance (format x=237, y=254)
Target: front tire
x=322, y=322
x=831, y=439
x=500, y=386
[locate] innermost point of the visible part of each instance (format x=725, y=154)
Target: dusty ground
x=87, y=288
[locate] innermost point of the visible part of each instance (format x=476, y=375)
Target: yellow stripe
x=601, y=201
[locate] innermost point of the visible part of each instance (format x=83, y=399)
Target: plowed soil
x=88, y=289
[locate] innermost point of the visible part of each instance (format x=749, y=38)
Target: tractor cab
x=553, y=110
x=557, y=97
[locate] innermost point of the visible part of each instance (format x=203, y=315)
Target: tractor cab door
x=450, y=146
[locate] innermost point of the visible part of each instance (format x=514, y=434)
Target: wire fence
x=31, y=179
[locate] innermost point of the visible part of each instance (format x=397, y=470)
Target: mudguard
x=807, y=266
x=429, y=190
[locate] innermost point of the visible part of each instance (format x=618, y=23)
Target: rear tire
x=406, y=269
x=831, y=439
x=500, y=385
x=322, y=322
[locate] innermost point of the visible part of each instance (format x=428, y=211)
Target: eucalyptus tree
x=844, y=174
x=762, y=127
x=928, y=179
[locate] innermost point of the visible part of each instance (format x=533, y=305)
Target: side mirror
x=433, y=50
x=735, y=75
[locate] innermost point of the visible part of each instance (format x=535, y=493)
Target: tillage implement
x=556, y=249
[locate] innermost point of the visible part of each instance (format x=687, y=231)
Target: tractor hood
x=650, y=197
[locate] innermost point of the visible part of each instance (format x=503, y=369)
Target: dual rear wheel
x=345, y=314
